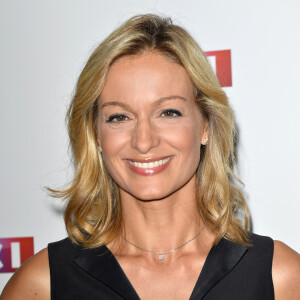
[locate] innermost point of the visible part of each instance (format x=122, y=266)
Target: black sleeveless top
x=231, y=271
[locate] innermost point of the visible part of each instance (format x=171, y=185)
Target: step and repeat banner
x=254, y=48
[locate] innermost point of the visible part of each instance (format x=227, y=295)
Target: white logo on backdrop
x=1, y=264
x=15, y=255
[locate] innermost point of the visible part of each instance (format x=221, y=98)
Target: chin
x=150, y=194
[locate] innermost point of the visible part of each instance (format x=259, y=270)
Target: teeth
x=149, y=165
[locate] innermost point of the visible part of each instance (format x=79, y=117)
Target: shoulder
x=261, y=249
x=260, y=241
x=286, y=272
x=31, y=280
x=64, y=247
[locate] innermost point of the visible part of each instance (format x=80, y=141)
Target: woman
x=154, y=200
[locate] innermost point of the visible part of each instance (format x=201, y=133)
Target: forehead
x=150, y=74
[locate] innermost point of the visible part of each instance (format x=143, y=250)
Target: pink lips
x=151, y=170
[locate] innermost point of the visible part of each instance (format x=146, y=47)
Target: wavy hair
x=93, y=215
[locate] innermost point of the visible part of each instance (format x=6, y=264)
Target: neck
x=161, y=225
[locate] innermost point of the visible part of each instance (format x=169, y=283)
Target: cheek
x=111, y=140
x=112, y=143
x=192, y=145
x=187, y=140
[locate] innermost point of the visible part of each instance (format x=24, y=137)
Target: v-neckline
x=103, y=266
x=131, y=285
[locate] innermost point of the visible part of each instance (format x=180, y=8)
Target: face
x=149, y=127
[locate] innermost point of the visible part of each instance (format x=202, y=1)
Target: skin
x=159, y=210
x=148, y=130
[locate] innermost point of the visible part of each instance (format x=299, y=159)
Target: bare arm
x=286, y=272
x=31, y=280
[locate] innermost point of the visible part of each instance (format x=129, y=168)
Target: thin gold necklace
x=161, y=256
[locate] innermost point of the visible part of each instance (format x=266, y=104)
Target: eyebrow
x=155, y=103
x=116, y=103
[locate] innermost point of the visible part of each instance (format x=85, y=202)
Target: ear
x=205, y=135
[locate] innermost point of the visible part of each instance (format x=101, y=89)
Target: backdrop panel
x=46, y=43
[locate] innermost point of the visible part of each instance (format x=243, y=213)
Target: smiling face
x=149, y=127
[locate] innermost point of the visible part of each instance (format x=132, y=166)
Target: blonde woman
x=152, y=209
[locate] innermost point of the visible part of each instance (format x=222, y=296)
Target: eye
x=171, y=113
x=117, y=118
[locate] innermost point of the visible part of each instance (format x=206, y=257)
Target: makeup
x=149, y=166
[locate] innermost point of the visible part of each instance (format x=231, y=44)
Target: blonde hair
x=93, y=215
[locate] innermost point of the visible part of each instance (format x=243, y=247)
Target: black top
x=231, y=271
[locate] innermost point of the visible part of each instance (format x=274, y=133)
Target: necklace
x=161, y=256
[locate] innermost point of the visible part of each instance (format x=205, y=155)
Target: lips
x=149, y=166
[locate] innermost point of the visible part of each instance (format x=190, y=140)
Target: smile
x=149, y=165
x=154, y=166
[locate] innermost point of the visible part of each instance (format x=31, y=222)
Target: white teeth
x=149, y=165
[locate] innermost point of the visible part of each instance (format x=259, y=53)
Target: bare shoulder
x=286, y=272
x=31, y=280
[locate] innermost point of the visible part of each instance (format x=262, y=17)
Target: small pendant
x=161, y=257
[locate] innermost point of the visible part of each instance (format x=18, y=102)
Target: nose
x=145, y=136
